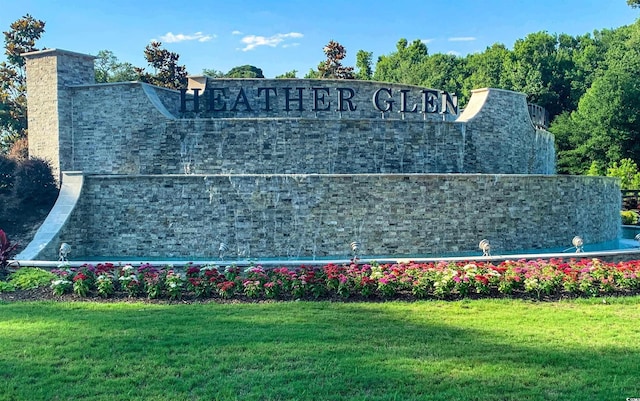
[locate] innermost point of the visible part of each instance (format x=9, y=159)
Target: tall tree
x=288, y=74
x=634, y=3
x=244, y=71
x=486, y=69
x=405, y=65
x=167, y=71
x=213, y=73
x=363, y=64
x=21, y=38
x=109, y=69
x=332, y=67
x=605, y=128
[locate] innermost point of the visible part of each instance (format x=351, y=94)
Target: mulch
x=45, y=294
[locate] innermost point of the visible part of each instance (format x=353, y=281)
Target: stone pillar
x=50, y=75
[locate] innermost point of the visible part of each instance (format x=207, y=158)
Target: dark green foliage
x=30, y=192
x=167, y=72
x=7, y=176
x=363, y=63
x=34, y=183
x=19, y=39
x=289, y=74
x=605, y=127
x=109, y=69
x=245, y=71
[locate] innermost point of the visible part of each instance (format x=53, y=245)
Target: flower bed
x=443, y=280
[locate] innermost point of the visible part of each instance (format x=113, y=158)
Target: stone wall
x=269, y=182
x=50, y=75
x=320, y=215
x=321, y=99
x=499, y=127
x=118, y=129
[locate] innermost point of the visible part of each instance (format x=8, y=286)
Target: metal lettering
x=449, y=102
x=267, y=97
x=195, y=100
x=317, y=99
x=241, y=99
x=288, y=99
x=429, y=101
x=216, y=97
x=342, y=99
x=403, y=102
x=388, y=102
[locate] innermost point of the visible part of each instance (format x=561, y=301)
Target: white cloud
x=170, y=37
x=453, y=53
x=426, y=41
x=462, y=39
x=253, y=41
x=236, y=32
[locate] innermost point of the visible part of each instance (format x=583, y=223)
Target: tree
x=21, y=38
x=405, y=65
x=109, y=69
x=167, y=72
x=363, y=64
x=245, y=71
x=605, y=128
x=486, y=69
x=213, y=73
x=288, y=74
x=628, y=173
x=634, y=3
x=332, y=67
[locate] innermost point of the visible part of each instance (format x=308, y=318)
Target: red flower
x=482, y=279
x=80, y=276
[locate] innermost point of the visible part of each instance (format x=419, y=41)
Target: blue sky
x=284, y=35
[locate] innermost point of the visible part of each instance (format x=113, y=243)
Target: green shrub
x=6, y=287
x=629, y=217
x=28, y=278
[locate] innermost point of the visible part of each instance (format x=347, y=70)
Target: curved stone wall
x=301, y=168
x=128, y=128
x=187, y=217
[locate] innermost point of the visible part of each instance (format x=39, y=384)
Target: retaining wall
x=320, y=215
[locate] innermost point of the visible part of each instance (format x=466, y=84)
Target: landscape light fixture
x=65, y=249
x=355, y=249
x=222, y=249
x=485, y=247
x=578, y=243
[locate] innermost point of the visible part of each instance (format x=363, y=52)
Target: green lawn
x=466, y=350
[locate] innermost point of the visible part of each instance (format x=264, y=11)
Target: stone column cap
x=47, y=52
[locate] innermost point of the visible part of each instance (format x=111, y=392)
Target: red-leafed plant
x=6, y=249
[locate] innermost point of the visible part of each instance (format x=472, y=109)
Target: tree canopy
x=20, y=38
x=166, y=70
x=332, y=67
x=109, y=69
x=588, y=83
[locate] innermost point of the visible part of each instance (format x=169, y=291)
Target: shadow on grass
x=311, y=351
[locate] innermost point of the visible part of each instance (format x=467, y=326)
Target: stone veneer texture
x=319, y=215
x=301, y=183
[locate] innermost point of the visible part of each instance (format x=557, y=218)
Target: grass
x=466, y=350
